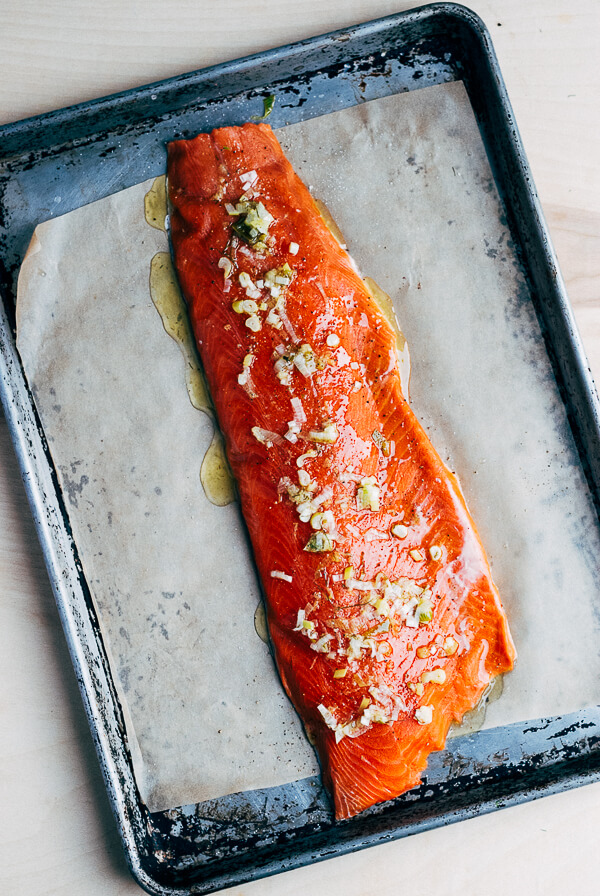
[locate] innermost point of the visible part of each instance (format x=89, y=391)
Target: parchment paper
x=170, y=573
x=408, y=182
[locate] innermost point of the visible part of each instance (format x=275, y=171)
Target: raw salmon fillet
x=384, y=620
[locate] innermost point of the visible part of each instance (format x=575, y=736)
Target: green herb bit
x=268, y=103
x=249, y=234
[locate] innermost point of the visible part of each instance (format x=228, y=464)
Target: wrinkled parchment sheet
x=407, y=180
x=170, y=573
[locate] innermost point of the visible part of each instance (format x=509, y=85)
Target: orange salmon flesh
x=385, y=623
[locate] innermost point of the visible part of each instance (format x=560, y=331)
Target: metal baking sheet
x=58, y=162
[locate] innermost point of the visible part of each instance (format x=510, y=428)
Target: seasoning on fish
x=384, y=620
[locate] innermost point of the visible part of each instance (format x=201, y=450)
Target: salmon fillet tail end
x=385, y=623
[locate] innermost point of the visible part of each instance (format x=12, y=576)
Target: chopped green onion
x=367, y=495
x=318, y=543
x=281, y=276
x=253, y=323
x=245, y=306
x=424, y=611
x=327, y=435
x=253, y=223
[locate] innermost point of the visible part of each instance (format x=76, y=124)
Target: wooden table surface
x=57, y=835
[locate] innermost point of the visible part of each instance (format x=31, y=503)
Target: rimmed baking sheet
x=216, y=842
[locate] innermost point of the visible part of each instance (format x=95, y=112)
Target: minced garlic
x=399, y=530
x=450, y=646
x=434, y=676
x=244, y=306
x=253, y=323
x=424, y=715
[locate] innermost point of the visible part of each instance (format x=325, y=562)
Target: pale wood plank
x=56, y=831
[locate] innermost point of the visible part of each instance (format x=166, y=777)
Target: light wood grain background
x=57, y=835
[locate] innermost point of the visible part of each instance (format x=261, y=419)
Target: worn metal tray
x=54, y=163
